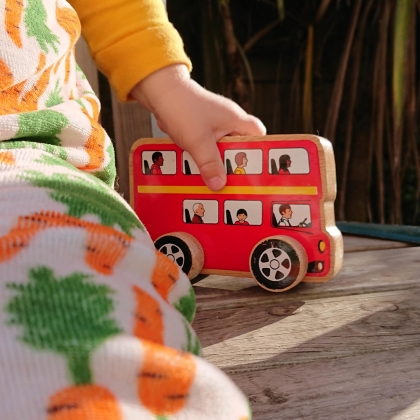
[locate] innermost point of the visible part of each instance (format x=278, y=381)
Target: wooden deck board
x=262, y=337
x=376, y=386
x=348, y=349
x=362, y=272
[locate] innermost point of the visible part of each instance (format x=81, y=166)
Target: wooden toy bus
x=273, y=221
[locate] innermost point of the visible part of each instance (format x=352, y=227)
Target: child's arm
x=195, y=118
x=140, y=51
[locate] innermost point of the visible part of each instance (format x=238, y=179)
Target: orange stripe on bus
x=257, y=190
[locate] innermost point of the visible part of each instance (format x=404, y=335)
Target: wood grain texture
x=302, y=331
x=131, y=122
x=375, y=386
x=362, y=272
x=86, y=63
x=347, y=349
x=357, y=244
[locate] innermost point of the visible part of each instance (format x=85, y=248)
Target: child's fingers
x=249, y=125
x=246, y=125
x=207, y=157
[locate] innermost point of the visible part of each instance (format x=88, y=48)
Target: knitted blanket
x=94, y=322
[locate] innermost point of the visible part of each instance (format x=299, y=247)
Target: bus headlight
x=316, y=267
x=321, y=246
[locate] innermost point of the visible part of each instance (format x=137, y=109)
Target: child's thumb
x=207, y=158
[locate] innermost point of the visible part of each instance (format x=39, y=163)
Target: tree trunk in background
x=236, y=88
x=358, y=175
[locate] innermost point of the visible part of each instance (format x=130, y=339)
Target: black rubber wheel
x=185, y=250
x=176, y=250
x=278, y=265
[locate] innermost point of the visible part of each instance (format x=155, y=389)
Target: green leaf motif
x=43, y=125
x=68, y=315
x=41, y=143
x=186, y=305
x=80, y=102
x=55, y=97
x=193, y=343
x=82, y=74
x=83, y=197
x=35, y=20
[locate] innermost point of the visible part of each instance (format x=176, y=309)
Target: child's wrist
x=149, y=91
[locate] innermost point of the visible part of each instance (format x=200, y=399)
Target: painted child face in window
x=241, y=217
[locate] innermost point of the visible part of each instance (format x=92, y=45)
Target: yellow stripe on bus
x=160, y=189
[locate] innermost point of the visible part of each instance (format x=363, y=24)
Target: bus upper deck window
x=189, y=167
x=288, y=161
x=243, y=161
x=159, y=162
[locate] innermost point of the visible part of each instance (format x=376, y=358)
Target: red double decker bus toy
x=274, y=219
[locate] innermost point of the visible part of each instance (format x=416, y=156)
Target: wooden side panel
x=131, y=122
x=86, y=63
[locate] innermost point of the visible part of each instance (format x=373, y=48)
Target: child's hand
x=194, y=118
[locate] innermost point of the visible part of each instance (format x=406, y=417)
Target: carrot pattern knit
x=94, y=322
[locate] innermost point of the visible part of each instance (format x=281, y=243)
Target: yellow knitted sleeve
x=129, y=39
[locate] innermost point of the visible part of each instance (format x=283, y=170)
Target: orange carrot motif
x=94, y=145
x=13, y=17
x=165, y=379
x=6, y=75
x=11, y=101
x=67, y=18
x=7, y=158
x=41, y=62
x=104, y=249
x=84, y=402
x=165, y=275
x=148, y=322
x=95, y=106
x=67, y=70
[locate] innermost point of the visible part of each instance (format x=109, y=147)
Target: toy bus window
x=158, y=162
x=200, y=211
x=286, y=215
x=188, y=165
x=243, y=161
x=288, y=161
x=243, y=212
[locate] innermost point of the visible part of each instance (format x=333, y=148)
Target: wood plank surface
x=266, y=336
x=348, y=349
x=362, y=272
x=376, y=386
